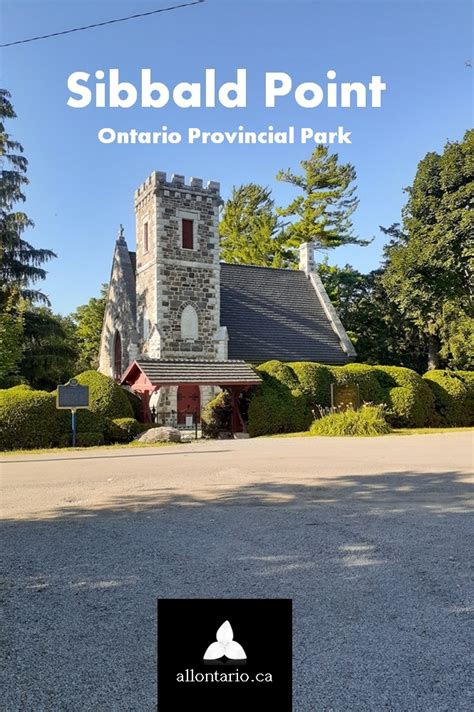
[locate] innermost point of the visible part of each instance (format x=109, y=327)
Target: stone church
x=179, y=324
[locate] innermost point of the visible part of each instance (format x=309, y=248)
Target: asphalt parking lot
x=372, y=538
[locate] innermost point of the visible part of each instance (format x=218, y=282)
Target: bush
x=274, y=406
x=107, y=398
x=364, y=376
x=216, y=415
x=367, y=421
x=121, y=430
x=408, y=398
x=468, y=378
x=89, y=439
x=289, y=391
x=136, y=403
x=314, y=381
x=453, y=396
x=28, y=419
x=282, y=372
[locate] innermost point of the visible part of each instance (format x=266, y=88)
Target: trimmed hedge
x=409, y=400
x=122, y=430
x=216, y=415
x=368, y=421
x=453, y=395
x=370, y=389
x=314, y=381
x=135, y=402
x=276, y=407
x=29, y=419
x=107, y=398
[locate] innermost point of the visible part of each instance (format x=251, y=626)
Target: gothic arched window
x=189, y=323
x=117, y=356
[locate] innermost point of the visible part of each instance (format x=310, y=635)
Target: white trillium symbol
x=225, y=645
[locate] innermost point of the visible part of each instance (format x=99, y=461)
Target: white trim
x=331, y=314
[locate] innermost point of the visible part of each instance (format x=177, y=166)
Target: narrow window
x=188, y=241
x=145, y=237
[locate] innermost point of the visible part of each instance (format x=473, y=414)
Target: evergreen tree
x=20, y=262
x=250, y=231
x=11, y=337
x=50, y=352
x=429, y=261
x=322, y=212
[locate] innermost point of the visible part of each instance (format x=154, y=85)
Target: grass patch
x=395, y=431
x=368, y=421
x=430, y=431
x=116, y=446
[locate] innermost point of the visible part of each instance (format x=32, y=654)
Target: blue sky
x=81, y=190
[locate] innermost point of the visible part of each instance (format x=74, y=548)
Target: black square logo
x=224, y=654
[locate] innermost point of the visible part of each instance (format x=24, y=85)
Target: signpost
x=345, y=396
x=72, y=396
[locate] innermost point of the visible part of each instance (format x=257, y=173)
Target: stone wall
x=170, y=277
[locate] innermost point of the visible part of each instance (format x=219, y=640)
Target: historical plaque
x=344, y=396
x=72, y=396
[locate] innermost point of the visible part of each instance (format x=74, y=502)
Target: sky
x=81, y=190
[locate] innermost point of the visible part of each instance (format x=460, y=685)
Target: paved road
x=369, y=537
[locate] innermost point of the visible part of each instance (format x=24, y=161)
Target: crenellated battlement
x=159, y=179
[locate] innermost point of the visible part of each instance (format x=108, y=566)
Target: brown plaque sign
x=345, y=396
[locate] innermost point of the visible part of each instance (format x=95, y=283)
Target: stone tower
x=177, y=269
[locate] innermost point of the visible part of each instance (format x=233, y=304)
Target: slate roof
x=275, y=314
x=187, y=371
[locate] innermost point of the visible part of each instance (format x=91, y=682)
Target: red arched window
x=117, y=356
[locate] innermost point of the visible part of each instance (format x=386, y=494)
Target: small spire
x=121, y=234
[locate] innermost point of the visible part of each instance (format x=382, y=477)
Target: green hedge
x=276, y=407
x=216, y=415
x=136, y=403
x=314, y=381
x=453, y=393
x=107, y=397
x=408, y=398
x=366, y=422
x=370, y=390
x=122, y=430
x=29, y=419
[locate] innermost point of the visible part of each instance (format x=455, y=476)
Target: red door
x=189, y=403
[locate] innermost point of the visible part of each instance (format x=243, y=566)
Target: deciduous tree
x=429, y=261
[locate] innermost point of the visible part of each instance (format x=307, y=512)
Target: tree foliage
x=88, y=320
x=49, y=350
x=20, y=262
x=429, y=260
x=375, y=325
x=11, y=335
x=322, y=213
x=250, y=230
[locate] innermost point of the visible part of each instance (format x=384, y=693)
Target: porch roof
x=177, y=372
